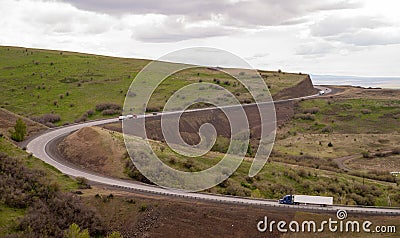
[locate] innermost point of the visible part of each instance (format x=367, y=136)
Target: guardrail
x=262, y=202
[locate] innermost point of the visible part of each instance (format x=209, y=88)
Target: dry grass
x=343, y=144
x=389, y=163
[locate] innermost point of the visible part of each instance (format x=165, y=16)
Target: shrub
x=49, y=124
x=83, y=118
x=327, y=129
x=302, y=173
x=109, y=112
x=313, y=110
x=172, y=161
x=155, y=109
x=83, y=183
x=134, y=173
x=366, y=111
x=143, y=208
x=307, y=116
x=74, y=231
x=52, y=118
x=50, y=210
x=104, y=106
x=90, y=112
x=19, y=130
x=188, y=164
x=366, y=154
x=49, y=218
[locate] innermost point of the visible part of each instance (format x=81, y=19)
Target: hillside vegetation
x=274, y=181
x=33, y=194
x=55, y=87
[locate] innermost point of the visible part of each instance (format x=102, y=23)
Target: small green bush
x=19, y=130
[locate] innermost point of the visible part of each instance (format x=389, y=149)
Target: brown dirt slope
x=95, y=149
x=304, y=88
x=190, y=122
x=8, y=119
x=141, y=215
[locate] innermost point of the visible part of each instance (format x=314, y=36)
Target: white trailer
x=305, y=199
x=318, y=200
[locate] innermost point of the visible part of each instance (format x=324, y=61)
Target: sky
x=327, y=37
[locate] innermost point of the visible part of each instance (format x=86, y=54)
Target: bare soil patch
x=95, y=149
x=141, y=215
x=8, y=119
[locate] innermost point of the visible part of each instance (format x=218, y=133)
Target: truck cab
x=288, y=199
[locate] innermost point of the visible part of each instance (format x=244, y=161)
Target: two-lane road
x=39, y=145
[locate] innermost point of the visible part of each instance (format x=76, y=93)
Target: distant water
x=381, y=82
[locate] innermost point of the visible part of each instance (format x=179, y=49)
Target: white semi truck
x=304, y=199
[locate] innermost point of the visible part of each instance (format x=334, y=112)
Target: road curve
x=37, y=147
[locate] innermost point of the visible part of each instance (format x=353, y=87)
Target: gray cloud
x=317, y=48
x=256, y=12
x=334, y=25
x=356, y=30
x=176, y=29
x=369, y=37
x=225, y=14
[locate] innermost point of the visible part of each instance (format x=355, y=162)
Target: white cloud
x=240, y=12
x=333, y=25
x=321, y=37
x=315, y=48
x=371, y=37
x=176, y=28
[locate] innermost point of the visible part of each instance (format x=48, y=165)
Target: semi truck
x=304, y=199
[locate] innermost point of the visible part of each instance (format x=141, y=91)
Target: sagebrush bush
x=313, y=110
x=50, y=211
x=109, y=112
x=366, y=111
x=52, y=118
x=105, y=106
x=307, y=116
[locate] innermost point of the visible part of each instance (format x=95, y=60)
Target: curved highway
x=38, y=145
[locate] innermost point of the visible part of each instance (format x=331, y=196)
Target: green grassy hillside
x=38, y=82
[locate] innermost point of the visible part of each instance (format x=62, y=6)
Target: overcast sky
x=339, y=37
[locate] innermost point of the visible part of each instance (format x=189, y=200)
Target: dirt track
x=341, y=161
